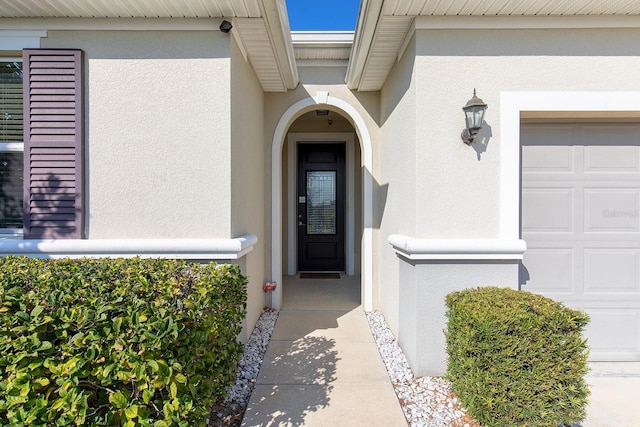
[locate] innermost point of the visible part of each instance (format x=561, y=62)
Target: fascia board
x=368, y=17
x=277, y=23
x=322, y=38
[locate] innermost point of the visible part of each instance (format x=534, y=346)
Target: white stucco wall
x=425, y=284
x=157, y=132
x=457, y=189
x=248, y=147
x=398, y=174
x=437, y=186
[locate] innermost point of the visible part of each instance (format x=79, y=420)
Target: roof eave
x=277, y=22
x=368, y=16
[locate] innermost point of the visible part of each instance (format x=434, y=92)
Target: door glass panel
x=321, y=202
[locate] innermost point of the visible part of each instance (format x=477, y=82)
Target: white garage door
x=580, y=219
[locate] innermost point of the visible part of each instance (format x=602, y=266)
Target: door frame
x=292, y=171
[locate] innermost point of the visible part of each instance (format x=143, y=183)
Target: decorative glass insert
x=321, y=202
x=11, y=120
x=11, y=166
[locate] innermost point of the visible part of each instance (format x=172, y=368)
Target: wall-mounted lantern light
x=473, y=116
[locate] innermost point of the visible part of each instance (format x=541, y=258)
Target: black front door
x=321, y=207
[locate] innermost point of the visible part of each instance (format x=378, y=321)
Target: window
x=11, y=146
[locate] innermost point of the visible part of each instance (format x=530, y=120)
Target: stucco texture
x=440, y=188
x=425, y=284
x=158, y=109
x=398, y=175
x=247, y=170
x=457, y=189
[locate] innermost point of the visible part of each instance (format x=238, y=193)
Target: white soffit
x=511, y=7
x=255, y=40
x=322, y=45
x=385, y=25
x=387, y=41
x=262, y=52
x=130, y=9
x=261, y=26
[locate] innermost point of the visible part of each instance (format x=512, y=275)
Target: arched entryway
x=322, y=101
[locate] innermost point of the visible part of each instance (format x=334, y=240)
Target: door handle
x=301, y=224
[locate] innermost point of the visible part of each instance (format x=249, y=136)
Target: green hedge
x=516, y=358
x=116, y=342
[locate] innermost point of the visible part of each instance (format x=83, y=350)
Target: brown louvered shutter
x=53, y=144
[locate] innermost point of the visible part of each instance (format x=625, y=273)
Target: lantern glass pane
x=478, y=116
x=469, y=118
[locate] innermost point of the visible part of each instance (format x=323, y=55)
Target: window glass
x=11, y=101
x=321, y=202
x=11, y=145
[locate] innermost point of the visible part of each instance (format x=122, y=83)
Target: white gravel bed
x=426, y=401
x=230, y=412
x=249, y=365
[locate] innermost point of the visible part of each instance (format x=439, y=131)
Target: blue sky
x=325, y=15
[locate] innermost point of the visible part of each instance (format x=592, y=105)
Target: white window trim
x=21, y=39
x=12, y=146
x=512, y=105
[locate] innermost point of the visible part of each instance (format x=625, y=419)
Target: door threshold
x=320, y=275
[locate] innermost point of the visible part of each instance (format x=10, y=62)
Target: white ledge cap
x=460, y=249
x=209, y=249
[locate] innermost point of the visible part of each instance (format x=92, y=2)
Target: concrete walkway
x=322, y=367
x=615, y=395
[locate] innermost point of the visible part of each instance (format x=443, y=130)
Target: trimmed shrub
x=516, y=358
x=116, y=341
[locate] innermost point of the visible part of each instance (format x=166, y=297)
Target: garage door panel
x=552, y=209
x=544, y=159
x=612, y=159
x=613, y=334
x=612, y=271
x=581, y=221
x=611, y=210
x=553, y=269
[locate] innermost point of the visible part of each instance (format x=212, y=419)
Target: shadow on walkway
x=322, y=366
